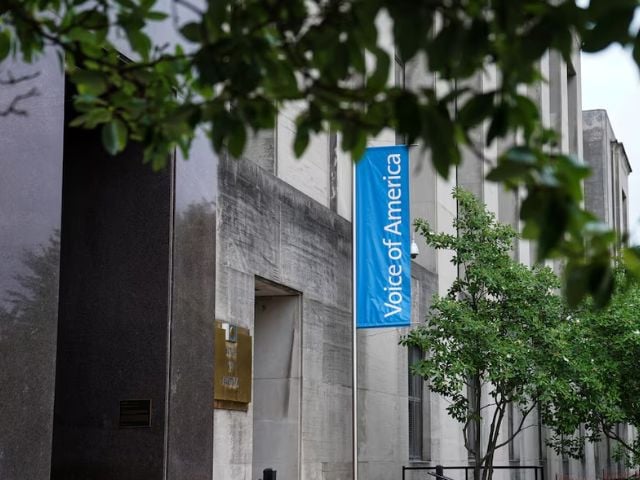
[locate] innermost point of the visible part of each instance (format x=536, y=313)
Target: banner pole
x=354, y=338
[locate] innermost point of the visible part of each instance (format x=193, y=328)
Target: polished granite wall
x=30, y=199
x=113, y=314
x=137, y=306
x=190, y=427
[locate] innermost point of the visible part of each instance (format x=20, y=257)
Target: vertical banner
x=382, y=230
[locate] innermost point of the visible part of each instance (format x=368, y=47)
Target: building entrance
x=277, y=380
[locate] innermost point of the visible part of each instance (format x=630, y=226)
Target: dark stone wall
x=190, y=427
x=113, y=313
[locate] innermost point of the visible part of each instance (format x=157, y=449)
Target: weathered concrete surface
x=597, y=138
x=309, y=173
x=383, y=382
x=607, y=189
x=271, y=230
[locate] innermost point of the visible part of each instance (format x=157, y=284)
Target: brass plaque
x=232, y=377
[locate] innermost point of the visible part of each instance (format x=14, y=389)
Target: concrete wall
x=607, y=189
x=310, y=173
x=269, y=229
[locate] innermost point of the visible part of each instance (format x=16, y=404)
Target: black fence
x=438, y=472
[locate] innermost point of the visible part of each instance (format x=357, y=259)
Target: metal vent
x=135, y=413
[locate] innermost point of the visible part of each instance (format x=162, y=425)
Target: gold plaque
x=232, y=374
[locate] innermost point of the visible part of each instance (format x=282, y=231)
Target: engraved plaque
x=232, y=378
x=135, y=413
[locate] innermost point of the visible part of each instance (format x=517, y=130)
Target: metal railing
x=438, y=470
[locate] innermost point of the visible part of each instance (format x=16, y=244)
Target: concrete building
x=113, y=279
x=607, y=189
x=606, y=195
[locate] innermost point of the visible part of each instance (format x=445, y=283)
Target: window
x=416, y=397
x=625, y=217
x=514, y=420
x=472, y=431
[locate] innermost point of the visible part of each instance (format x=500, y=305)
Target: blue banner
x=382, y=229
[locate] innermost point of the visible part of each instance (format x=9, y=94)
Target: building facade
x=115, y=281
x=607, y=189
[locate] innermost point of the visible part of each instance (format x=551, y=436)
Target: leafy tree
x=492, y=341
x=605, y=392
x=239, y=62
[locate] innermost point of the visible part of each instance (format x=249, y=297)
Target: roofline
x=626, y=158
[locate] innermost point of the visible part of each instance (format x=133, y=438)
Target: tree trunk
x=477, y=442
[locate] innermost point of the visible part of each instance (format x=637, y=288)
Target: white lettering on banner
x=393, y=227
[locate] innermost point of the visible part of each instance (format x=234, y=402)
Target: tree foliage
x=603, y=363
x=494, y=339
x=236, y=63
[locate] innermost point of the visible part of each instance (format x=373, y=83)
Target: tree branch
x=614, y=436
x=13, y=108
x=494, y=429
x=520, y=428
x=12, y=80
x=471, y=450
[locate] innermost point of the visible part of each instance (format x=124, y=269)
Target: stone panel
x=30, y=206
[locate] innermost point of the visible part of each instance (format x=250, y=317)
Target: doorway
x=277, y=367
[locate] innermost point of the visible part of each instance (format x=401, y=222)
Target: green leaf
x=441, y=135
x=92, y=118
x=114, y=136
x=192, y=31
x=631, y=256
x=507, y=171
x=86, y=38
x=552, y=222
x=359, y=146
x=576, y=280
x=237, y=139
x=139, y=42
x=499, y=123
x=301, y=141
x=89, y=82
x=93, y=20
x=601, y=284
x=405, y=31
x=156, y=16
x=514, y=164
x=612, y=26
x=636, y=49
x=5, y=44
x=408, y=114
x=477, y=109
x=380, y=76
